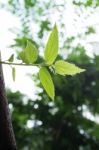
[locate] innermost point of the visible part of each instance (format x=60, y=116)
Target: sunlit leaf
x=47, y=82
x=64, y=68
x=51, y=49
x=23, y=57
x=30, y=54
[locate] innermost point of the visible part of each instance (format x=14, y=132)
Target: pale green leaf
x=13, y=73
x=51, y=49
x=11, y=58
x=30, y=54
x=64, y=68
x=47, y=82
x=23, y=57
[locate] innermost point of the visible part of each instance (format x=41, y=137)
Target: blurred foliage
x=90, y=30
x=36, y=18
x=86, y=3
x=30, y=11
x=63, y=124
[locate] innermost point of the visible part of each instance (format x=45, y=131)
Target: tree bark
x=7, y=138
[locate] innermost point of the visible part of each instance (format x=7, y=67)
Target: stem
x=7, y=138
x=19, y=64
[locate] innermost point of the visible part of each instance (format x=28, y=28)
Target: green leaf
x=64, y=68
x=23, y=57
x=11, y=58
x=13, y=73
x=47, y=82
x=51, y=49
x=30, y=54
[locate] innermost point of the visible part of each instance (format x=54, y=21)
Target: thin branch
x=21, y=64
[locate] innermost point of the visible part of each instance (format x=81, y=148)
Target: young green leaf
x=64, y=68
x=11, y=58
x=13, y=73
x=47, y=82
x=30, y=54
x=23, y=57
x=51, y=49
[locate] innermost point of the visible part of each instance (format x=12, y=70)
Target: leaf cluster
x=30, y=54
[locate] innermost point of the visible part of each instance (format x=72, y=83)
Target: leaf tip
x=81, y=70
x=55, y=26
x=53, y=96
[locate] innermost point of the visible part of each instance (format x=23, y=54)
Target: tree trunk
x=7, y=139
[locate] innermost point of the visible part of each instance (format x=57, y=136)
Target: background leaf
x=51, y=49
x=64, y=68
x=47, y=82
